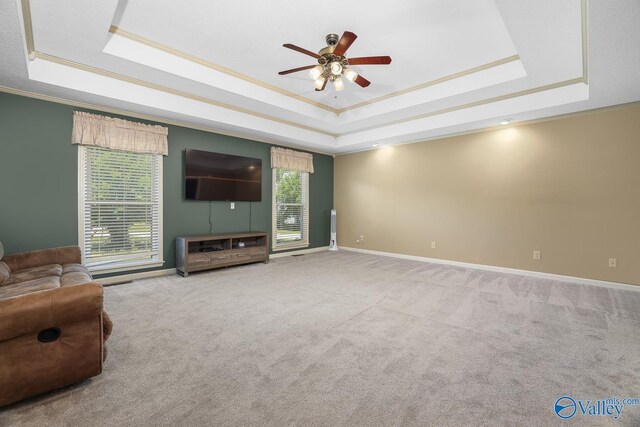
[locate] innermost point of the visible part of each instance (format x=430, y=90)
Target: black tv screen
x=216, y=176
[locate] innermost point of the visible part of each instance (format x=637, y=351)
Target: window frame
x=304, y=243
x=124, y=265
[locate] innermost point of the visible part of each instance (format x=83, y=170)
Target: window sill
x=119, y=268
x=290, y=246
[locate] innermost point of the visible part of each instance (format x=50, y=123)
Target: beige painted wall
x=569, y=188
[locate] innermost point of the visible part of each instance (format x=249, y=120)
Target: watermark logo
x=565, y=407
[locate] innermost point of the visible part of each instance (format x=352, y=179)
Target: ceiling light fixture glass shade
x=316, y=72
x=319, y=82
x=338, y=83
x=336, y=68
x=350, y=74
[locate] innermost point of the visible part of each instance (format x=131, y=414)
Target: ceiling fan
x=333, y=63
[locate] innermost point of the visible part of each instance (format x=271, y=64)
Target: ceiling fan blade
x=345, y=41
x=323, y=85
x=295, y=70
x=301, y=50
x=370, y=60
x=362, y=81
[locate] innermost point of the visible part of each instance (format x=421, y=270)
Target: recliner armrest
x=31, y=313
x=62, y=255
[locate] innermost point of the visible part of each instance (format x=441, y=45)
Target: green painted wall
x=38, y=182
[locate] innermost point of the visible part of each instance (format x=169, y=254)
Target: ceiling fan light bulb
x=316, y=72
x=336, y=68
x=350, y=74
x=319, y=82
x=338, y=83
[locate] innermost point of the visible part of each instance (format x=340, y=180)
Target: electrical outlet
x=613, y=262
x=233, y=205
x=536, y=255
x=362, y=237
x=357, y=242
x=433, y=245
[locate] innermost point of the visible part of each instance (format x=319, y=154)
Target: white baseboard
x=300, y=252
x=538, y=274
x=113, y=280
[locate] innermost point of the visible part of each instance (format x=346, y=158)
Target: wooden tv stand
x=197, y=253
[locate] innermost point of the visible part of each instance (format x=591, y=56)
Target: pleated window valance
x=118, y=134
x=282, y=158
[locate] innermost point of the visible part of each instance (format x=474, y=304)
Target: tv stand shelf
x=205, y=252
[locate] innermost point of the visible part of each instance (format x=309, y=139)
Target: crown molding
x=139, y=39
x=501, y=127
x=471, y=104
x=150, y=43
x=34, y=54
x=433, y=82
x=151, y=118
x=111, y=74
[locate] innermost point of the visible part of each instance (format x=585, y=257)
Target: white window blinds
x=290, y=209
x=120, y=208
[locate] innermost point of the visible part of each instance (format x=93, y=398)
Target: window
x=120, y=209
x=290, y=209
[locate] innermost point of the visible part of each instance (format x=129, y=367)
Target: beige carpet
x=353, y=339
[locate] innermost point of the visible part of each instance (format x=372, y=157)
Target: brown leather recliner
x=52, y=324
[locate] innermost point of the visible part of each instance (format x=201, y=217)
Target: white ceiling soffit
x=457, y=65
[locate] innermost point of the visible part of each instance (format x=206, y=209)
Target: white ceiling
x=210, y=30
x=457, y=65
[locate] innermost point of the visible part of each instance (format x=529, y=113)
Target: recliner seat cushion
x=68, y=268
x=34, y=273
x=40, y=284
x=74, y=274
x=74, y=278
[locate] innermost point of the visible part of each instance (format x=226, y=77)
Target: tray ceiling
x=457, y=65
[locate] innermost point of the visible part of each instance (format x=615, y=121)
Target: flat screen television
x=216, y=176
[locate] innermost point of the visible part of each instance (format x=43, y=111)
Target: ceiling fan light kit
x=350, y=74
x=332, y=62
x=316, y=72
x=319, y=83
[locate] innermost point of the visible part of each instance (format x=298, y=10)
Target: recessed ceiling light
x=375, y=145
x=506, y=121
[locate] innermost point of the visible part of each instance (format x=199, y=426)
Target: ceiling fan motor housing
x=326, y=53
x=332, y=39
